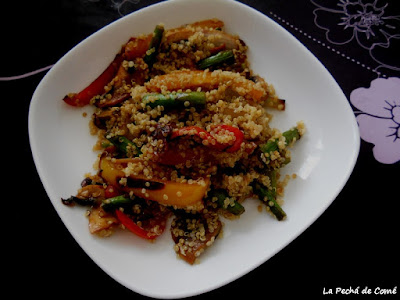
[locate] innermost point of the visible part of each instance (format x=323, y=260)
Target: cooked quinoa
x=183, y=128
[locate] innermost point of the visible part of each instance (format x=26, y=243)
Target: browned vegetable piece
x=211, y=30
x=100, y=118
x=209, y=23
x=113, y=101
x=193, y=233
x=137, y=47
x=100, y=221
x=273, y=102
x=91, y=191
x=185, y=79
x=130, y=72
x=184, y=32
x=219, y=38
x=166, y=192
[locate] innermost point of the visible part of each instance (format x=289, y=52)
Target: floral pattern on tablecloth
x=368, y=25
x=361, y=21
x=379, y=117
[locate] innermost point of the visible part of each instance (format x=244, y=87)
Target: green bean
x=272, y=145
x=235, y=208
x=114, y=203
x=216, y=59
x=151, y=55
x=291, y=135
x=125, y=146
x=268, y=196
x=172, y=100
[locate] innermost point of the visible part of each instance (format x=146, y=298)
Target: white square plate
x=323, y=159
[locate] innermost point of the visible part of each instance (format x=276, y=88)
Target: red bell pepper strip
x=97, y=86
x=209, y=140
x=111, y=191
x=205, y=136
x=133, y=227
x=135, y=47
x=191, y=130
x=238, y=135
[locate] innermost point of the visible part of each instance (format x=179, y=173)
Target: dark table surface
x=355, y=243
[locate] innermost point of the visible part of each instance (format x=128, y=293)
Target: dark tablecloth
x=355, y=243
